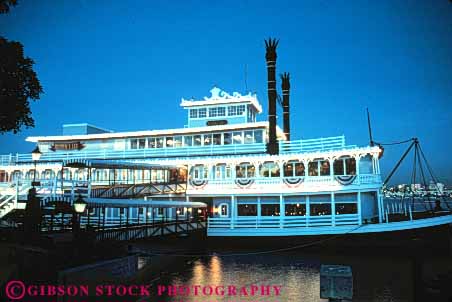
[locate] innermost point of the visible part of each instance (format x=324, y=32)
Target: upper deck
x=240, y=145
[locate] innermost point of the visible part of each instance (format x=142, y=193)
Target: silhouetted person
x=438, y=206
x=32, y=217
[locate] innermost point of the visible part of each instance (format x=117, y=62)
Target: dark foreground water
x=375, y=278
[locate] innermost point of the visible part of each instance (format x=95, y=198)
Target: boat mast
x=371, y=141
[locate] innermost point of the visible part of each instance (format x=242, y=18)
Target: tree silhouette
x=18, y=83
x=5, y=5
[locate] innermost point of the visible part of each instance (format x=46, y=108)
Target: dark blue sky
x=124, y=65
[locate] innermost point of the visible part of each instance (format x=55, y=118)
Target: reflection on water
x=375, y=279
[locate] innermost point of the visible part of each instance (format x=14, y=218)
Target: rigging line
x=398, y=164
x=435, y=180
x=421, y=169
x=259, y=252
x=396, y=143
x=413, y=176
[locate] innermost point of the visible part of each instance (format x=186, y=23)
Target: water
x=376, y=278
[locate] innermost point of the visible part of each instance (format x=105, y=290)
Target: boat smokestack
x=270, y=57
x=285, y=85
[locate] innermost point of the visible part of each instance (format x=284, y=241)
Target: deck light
x=79, y=205
x=35, y=156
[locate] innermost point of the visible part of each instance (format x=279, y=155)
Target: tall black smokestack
x=285, y=85
x=270, y=56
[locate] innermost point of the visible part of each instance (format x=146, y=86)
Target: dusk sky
x=125, y=65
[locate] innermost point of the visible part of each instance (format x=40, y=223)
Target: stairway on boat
x=10, y=194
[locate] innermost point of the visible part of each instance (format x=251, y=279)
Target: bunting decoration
x=345, y=179
x=198, y=183
x=293, y=182
x=244, y=182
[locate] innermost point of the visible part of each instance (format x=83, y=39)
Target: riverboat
x=248, y=177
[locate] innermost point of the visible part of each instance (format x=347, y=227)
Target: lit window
x=169, y=141
x=197, y=141
x=188, y=141
x=133, y=144
x=270, y=209
x=232, y=110
x=160, y=141
x=320, y=209
x=178, y=141
x=141, y=143
x=319, y=168
x=151, y=142
x=246, y=210
x=258, y=136
x=202, y=112
x=293, y=169
x=223, y=209
x=193, y=113
x=270, y=169
x=213, y=112
x=199, y=172
x=240, y=109
x=249, y=137
x=207, y=139
x=244, y=170
x=227, y=138
x=222, y=171
x=217, y=138
x=298, y=209
x=237, y=138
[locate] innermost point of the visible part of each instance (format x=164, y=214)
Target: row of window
x=154, y=175
x=316, y=209
x=341, y=166
x=235, y=110
x=224, y=138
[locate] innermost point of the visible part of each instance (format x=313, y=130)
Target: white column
x=259, y=210
x=380, y=206
x=331, y=161
x=357, y=160
x=308, y=210
x=233, y=211
x=360, y=219
x=333, y=210
x=282, y=211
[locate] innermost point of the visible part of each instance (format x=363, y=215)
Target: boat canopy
x=113, y=164
x=130, y=203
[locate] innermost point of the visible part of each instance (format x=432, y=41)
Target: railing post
x=259, y=211
x=17, y=193
x=282, y=212
x=233, y=212
x=359, y=209
x=380, y=206
x=333, y=210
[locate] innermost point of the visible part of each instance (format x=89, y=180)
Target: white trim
x=328, y=230
x=145, y=133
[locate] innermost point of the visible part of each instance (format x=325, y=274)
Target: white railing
x=306, y=182
x=312, y=145
x=10, y=159
x=258, y=222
